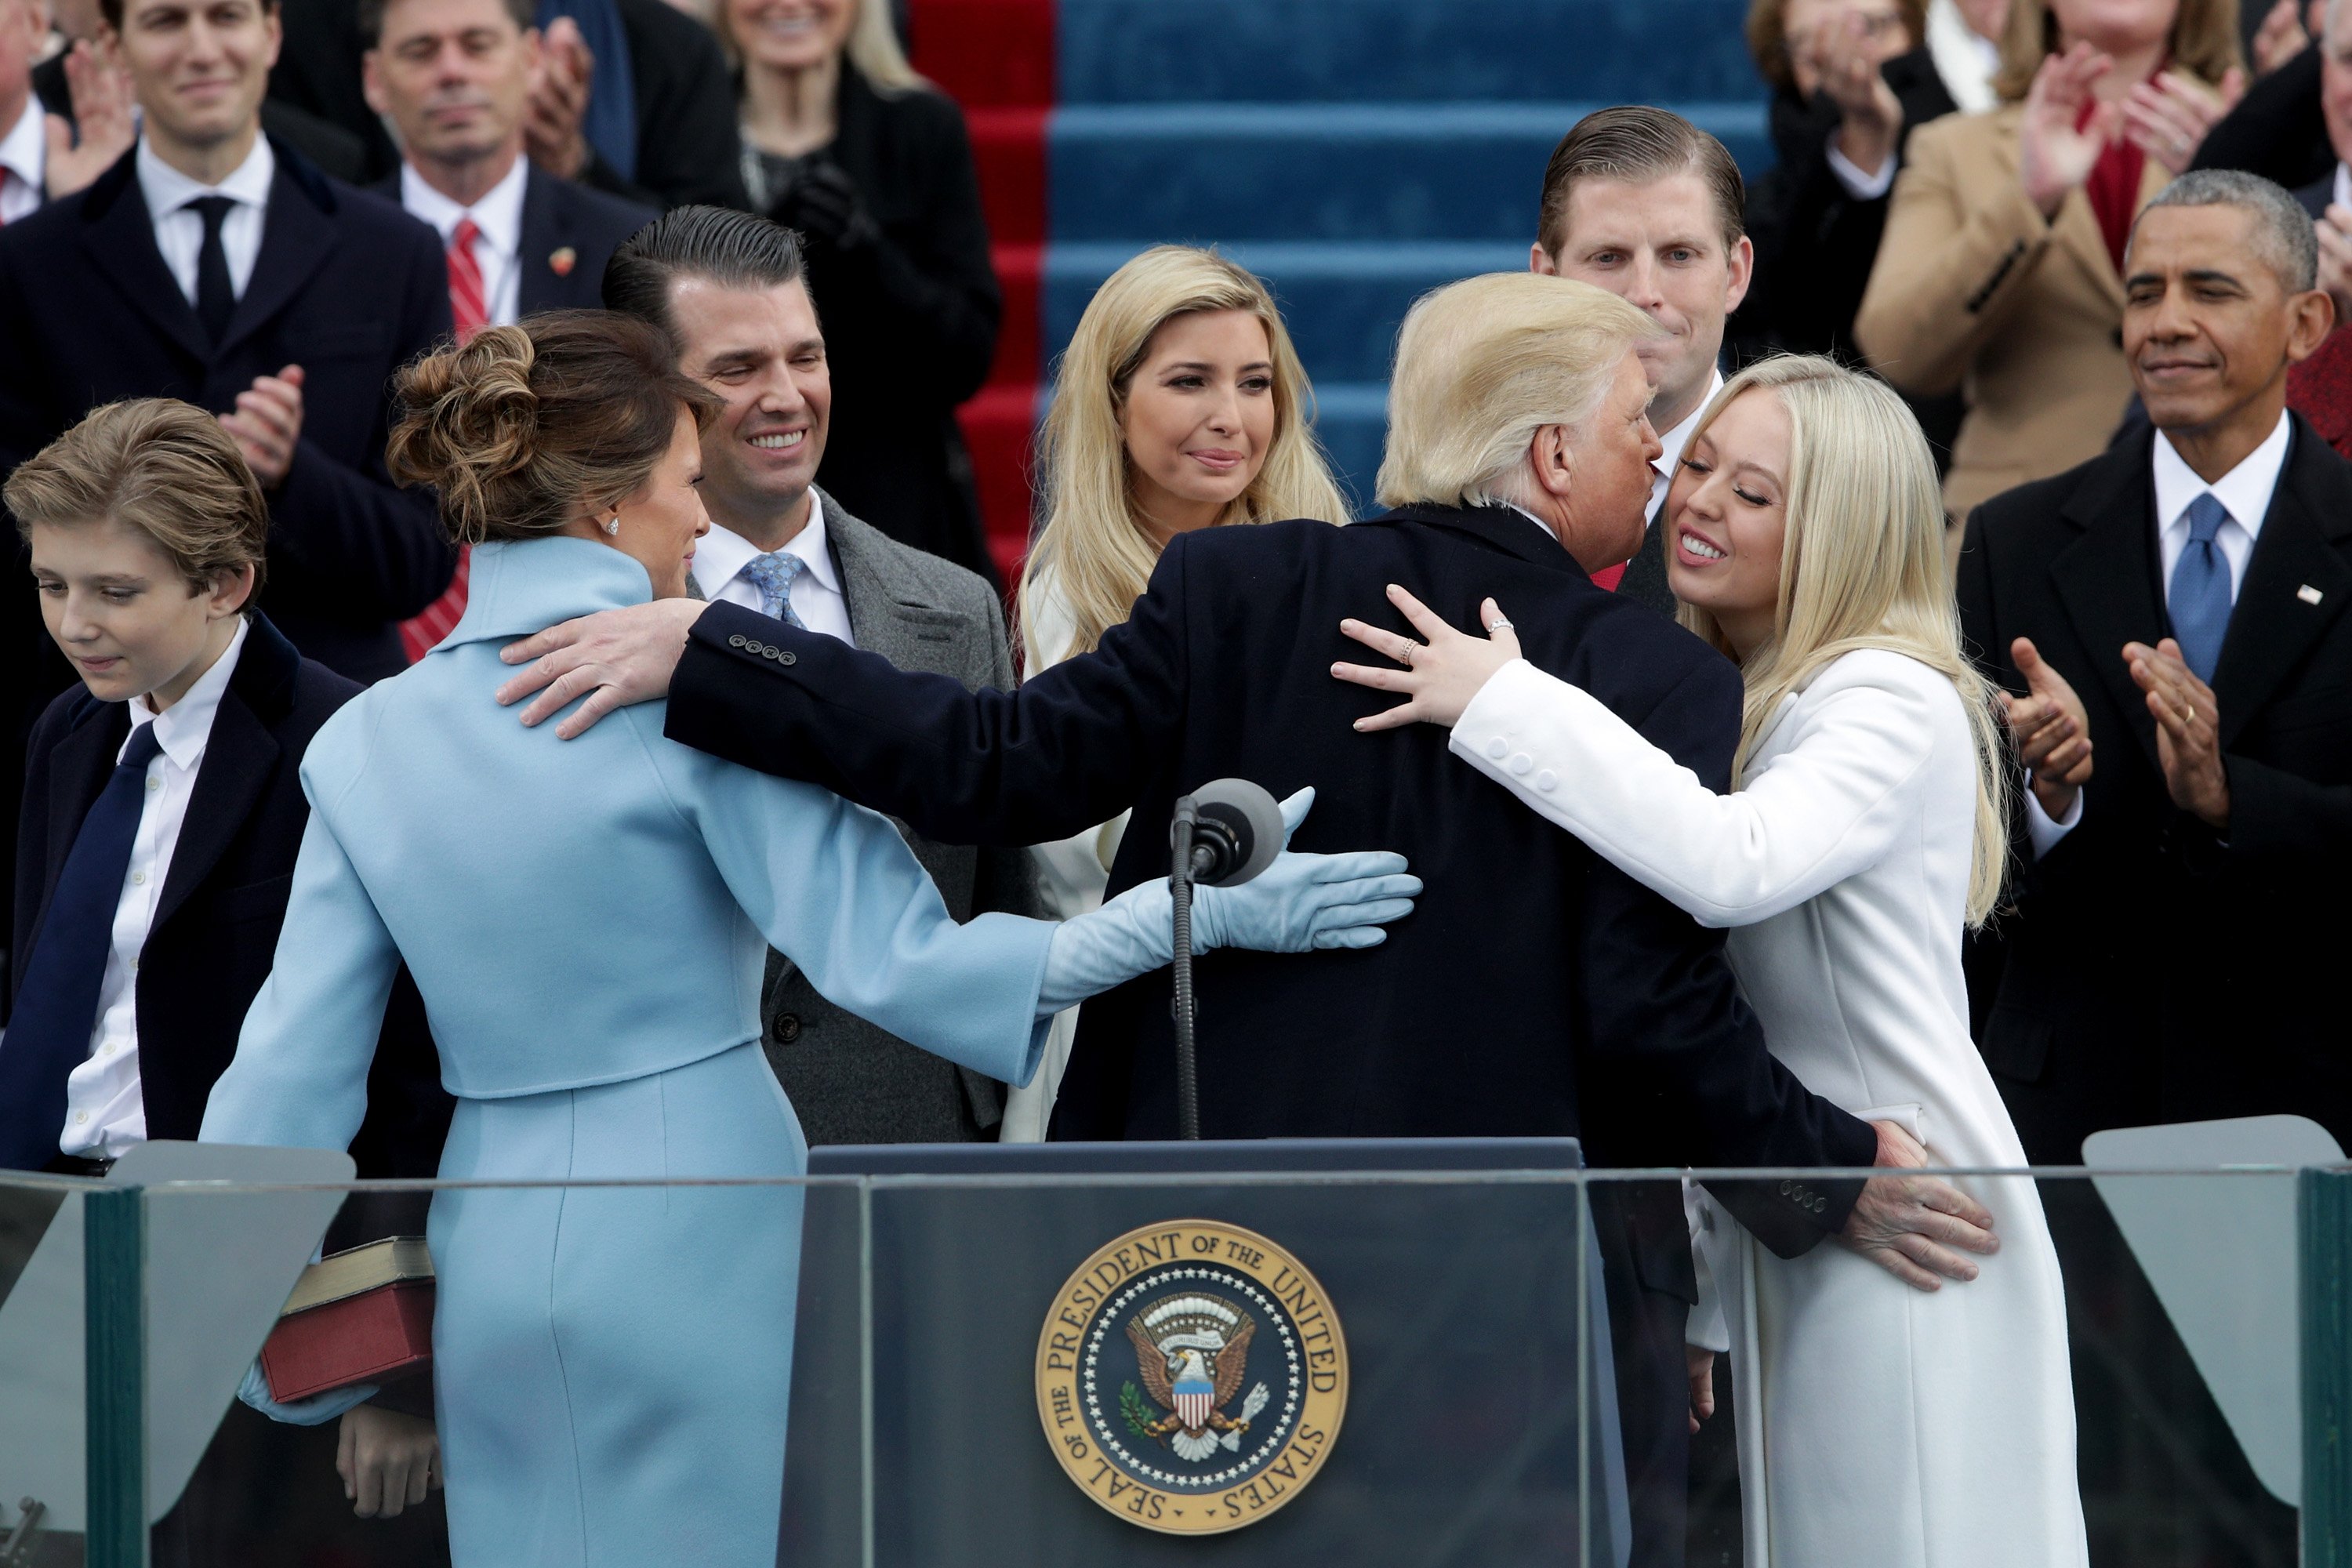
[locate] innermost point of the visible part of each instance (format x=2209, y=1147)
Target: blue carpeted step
x=1342, y=302
x=1231, y=172
x=1275, y=51
x=1352, y=422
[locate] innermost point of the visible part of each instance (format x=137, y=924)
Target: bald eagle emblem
x=1191, y=1351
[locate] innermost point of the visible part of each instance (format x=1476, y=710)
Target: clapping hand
x=2187, y=730
x=2051, y=730
x=1441, y=676
x=267, y=423
x=1848, y=58
x=2280, y=38
x=2167, y=118
x=823, y=206
x=1910, y=1225
x=2052, y=155
x=102, y=97
x=2335, y=230
x=559, y=100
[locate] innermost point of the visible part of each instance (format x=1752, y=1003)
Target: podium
x=996, y=1345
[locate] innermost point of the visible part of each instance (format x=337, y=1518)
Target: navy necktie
x=215, y=297
x=2199, y=598
x=48, y=1035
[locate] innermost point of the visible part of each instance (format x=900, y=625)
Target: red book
x=361, y=1316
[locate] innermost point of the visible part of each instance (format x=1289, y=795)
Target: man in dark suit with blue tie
x=214, y=265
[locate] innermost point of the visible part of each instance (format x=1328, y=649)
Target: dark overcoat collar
x=1500, y=528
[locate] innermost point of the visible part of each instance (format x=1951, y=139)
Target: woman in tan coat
x=2000, y=274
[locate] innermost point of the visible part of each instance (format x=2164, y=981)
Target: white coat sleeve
x=1826, y=805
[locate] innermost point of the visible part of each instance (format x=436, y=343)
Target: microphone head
x=1247, y=820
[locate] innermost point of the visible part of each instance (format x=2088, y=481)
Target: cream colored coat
x=1880, y=1426
x=1974, y=292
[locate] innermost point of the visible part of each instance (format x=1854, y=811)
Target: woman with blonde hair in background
x=2000, y=275
x=1882, y=1423
x=1179, y=405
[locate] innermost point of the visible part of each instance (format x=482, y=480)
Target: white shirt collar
x=722, y=552
x=2244, y=491
x=498, y=215
x=167, y=190
x=1676, y=439
x=24, y=151
x=1966, y=61
x=2343, y=196
x=183, y=728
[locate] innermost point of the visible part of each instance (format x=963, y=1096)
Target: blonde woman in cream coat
x=1179, y=405
x=1882, y=1423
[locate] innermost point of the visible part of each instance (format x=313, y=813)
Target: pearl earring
x=613, y=526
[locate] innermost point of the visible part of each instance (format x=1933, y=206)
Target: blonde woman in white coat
x=1179, y=405
x=1882, y=1424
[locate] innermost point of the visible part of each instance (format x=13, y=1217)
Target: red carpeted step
x=995, y=58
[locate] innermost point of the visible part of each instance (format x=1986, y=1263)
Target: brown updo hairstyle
x=528, y=427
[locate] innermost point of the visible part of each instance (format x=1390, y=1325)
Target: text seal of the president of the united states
x=1192, y=1377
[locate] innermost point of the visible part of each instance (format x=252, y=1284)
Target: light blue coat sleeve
x=833, y=887
x=299, y=1079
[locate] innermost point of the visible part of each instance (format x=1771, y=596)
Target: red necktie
x=468, y=307
x=470, y=314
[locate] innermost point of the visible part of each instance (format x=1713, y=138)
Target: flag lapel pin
x=2309, y=594
x=562, y=261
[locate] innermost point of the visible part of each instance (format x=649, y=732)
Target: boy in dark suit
x=162, y=820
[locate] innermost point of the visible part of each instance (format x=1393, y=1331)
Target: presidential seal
x=1192, y=1377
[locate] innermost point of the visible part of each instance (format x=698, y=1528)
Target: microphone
x=1225, y=833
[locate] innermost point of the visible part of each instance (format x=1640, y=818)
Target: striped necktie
x=469, y=313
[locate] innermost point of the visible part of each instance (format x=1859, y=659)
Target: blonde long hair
x=1863, y=566
x=1094, y=546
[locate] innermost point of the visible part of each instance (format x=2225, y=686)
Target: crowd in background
x=1951, y=208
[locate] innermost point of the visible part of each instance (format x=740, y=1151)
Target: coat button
x=1523, y=764
x=787, y=657
x=788, y=1027
x=1546, y=780
x=1496, y=749
x=1785, y=1186
x=1820, y=1204
x=737, y=640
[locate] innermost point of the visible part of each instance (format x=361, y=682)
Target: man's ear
x=372, y=81
x=2310, y=317
x=1540, y=261
x=1551, y=459
x=1742, y=260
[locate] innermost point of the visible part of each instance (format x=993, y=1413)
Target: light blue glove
x=315, y=1411
x=1300, y=902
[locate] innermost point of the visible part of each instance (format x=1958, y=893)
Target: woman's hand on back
x=1441, y=676
x=1306, y=901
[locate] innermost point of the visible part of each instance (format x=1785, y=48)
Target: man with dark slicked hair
x=729, y=290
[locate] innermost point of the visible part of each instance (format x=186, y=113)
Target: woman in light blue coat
x=588, y=921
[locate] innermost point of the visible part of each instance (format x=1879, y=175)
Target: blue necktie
x=49, y=1036
x=773, y=575
x=2198, y=599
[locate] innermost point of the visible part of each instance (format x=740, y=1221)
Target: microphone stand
x=1180, y=891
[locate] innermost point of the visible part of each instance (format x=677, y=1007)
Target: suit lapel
x=544, y=234
x=2106, y=579
x=78, y=770
x=2276, y=622
x=295, y=239
x=882, y=617
x=119, y=237
x=239, y=757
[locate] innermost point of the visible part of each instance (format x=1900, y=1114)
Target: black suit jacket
x=214, y=934
x=1536, y=990
x=686, y=138
x=569, y=232
x=2154, y=969
x=2316, y=195
x=346, y=286
x=2277, y=129
x=334, y=149
x=910, y=314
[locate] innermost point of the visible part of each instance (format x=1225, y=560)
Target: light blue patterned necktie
x=2199, y=595
x=773, y=575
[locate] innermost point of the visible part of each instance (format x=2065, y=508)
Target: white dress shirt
x=180, y=229
x=816, y=597
x=23, y=163
x=497, y=239
x=105, y=1114
x=1675, y=440
x=2244, y=493
x=1965, y=59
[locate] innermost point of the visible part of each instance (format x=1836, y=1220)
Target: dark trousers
x=1647, y=1323
x=265, y=1495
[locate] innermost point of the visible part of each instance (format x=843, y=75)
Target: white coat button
x=1522, y=764
x=1496, y=748
x=1546, y=780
